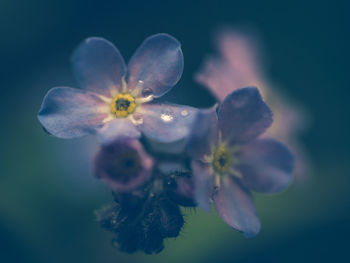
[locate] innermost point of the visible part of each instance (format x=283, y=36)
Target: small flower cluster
x=157, y=157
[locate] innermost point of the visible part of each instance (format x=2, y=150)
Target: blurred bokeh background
x=47, y=190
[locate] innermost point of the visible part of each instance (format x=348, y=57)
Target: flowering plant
x=156, y=157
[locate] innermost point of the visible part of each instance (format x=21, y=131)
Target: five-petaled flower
x=229, y=159
x=111, y=102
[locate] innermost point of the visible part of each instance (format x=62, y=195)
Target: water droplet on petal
x=167, y=116
x=147, y=92
x=184, y=113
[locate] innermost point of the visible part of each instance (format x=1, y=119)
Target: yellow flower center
x=123, y=104
x=222, y=160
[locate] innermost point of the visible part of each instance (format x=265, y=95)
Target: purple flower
x=229, y=159
x=112, y=97
x=123, y=164
x=239, y=64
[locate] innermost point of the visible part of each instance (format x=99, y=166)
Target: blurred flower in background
x=239, y=64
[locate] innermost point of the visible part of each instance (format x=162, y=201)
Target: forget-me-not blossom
x=113, y=95
x=229, y=159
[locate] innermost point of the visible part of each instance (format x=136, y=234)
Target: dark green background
x=47, y=190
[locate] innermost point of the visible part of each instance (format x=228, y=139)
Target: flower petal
x=68, y=112
x=204, y=133
x=237, y=65
x=98, y=66
x=123, y=164
x=156, y=66
x=117, y=129
x=216, y=75
x=236, y=207
x=203, y=179
x=166, y=123
x=243, y=115
x=266, y=165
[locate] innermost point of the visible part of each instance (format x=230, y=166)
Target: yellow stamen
x=222, y=159
x=123, y=104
